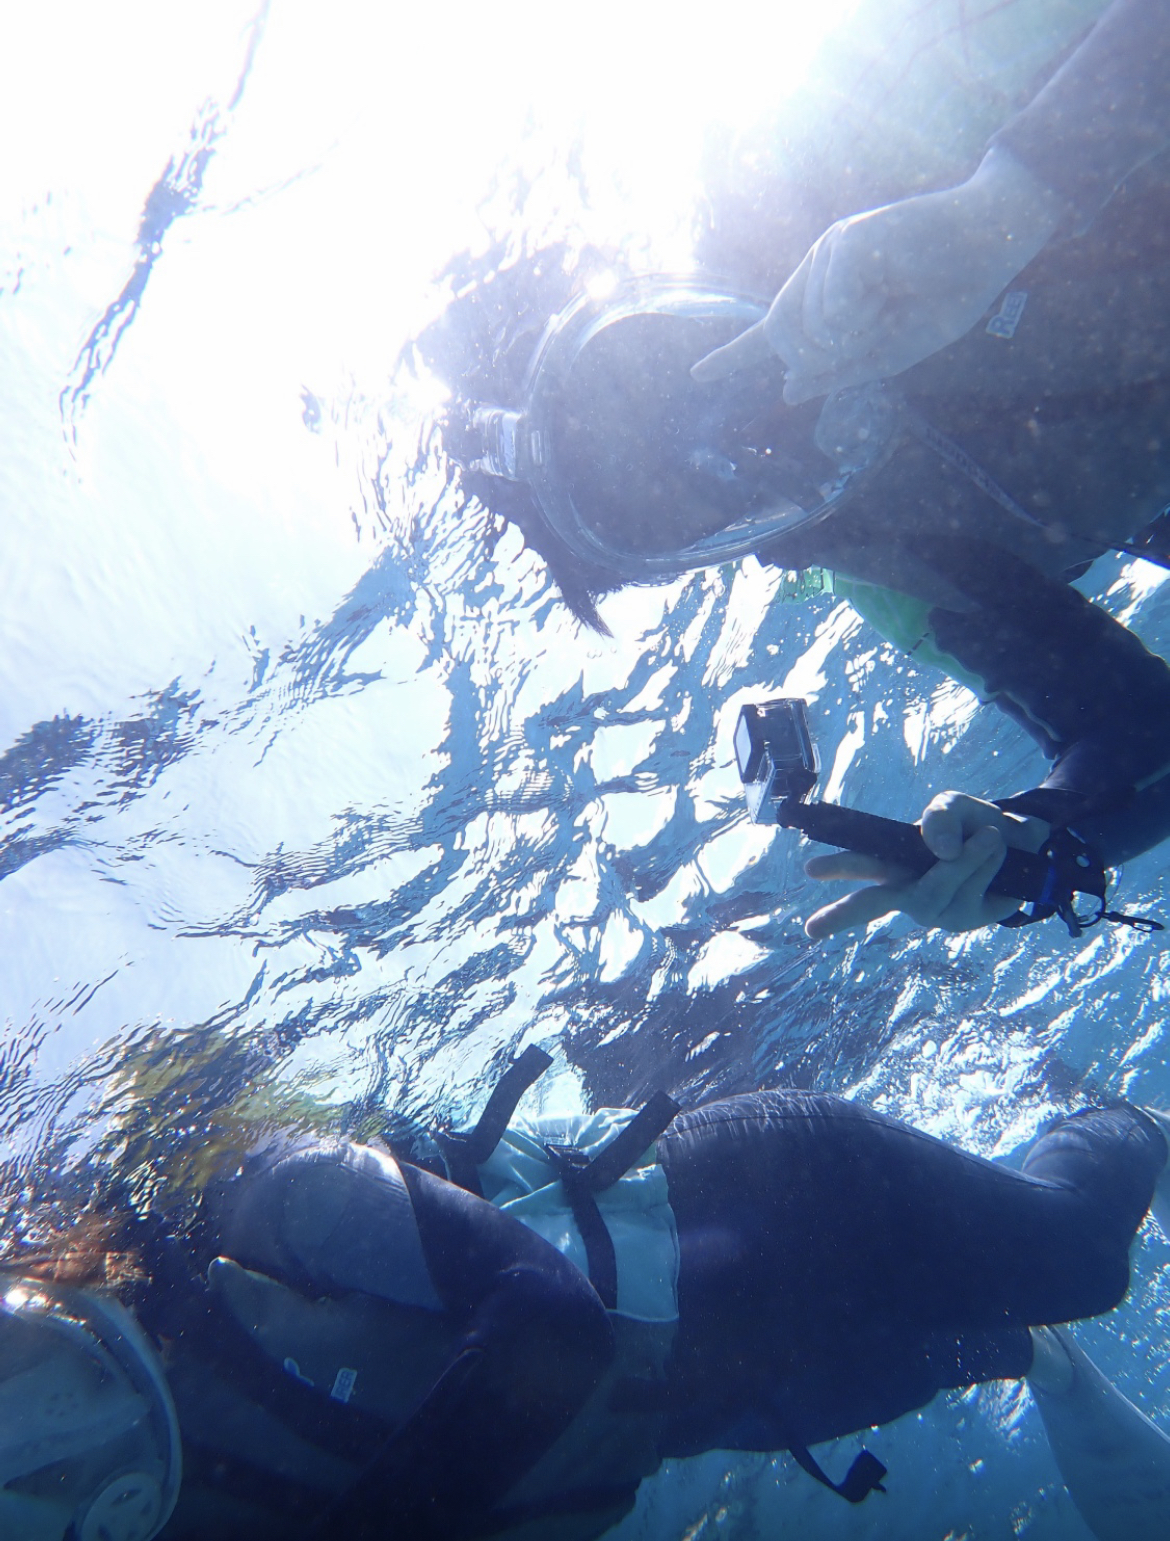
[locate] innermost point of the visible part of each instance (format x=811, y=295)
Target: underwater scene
x=354, y=742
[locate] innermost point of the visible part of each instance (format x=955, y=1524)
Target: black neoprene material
x=839, y=1268
x=541, y=1338
x=1104, y=113
x=1093, y=695
x=534, y=1338
x=1090, y=685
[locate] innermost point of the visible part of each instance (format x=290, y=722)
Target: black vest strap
x=582, y=1178
x=465, y=1151
x=639, y=1134
x=600, y=1258
x=863, y=1477
x=382, y=1504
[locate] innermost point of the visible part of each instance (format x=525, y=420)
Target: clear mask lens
x=644, y=472
x=89, y=1444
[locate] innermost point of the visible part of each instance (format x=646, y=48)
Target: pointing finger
x=750, y=347
x=854, y=911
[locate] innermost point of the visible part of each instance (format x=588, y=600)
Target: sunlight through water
x=313, y=793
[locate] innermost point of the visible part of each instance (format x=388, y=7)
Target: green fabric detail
x=799, y=584
x=905, y=622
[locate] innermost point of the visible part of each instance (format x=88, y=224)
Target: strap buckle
x=1074, y=868
x=583, y=1177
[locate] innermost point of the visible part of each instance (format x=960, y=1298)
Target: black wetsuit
x=1104, y=114
x=837, y=1269
x=1065, y=409
x=513, y=1339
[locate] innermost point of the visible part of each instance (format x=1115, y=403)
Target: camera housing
x=777, y=758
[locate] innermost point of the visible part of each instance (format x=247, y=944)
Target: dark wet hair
x=97, y=1248
x=481, y=348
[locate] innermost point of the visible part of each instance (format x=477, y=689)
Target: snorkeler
x=341, y=1343
x=952, y=506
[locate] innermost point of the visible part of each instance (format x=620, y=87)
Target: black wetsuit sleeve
x=1104, y=113
x=1096, y=699
x=536, y=1340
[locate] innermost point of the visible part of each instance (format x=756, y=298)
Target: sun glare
x=370, y=145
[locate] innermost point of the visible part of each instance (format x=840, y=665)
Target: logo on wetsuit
x=1007, y=318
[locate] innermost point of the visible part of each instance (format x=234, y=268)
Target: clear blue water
x=309, y=794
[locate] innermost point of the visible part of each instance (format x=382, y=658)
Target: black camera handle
x=1047, y=880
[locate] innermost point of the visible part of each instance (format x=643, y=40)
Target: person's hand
x=881, y=291
x=970, y=839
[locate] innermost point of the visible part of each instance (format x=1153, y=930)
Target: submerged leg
x=839, y=1268
x=1160, y=1203
x=1114, y=1461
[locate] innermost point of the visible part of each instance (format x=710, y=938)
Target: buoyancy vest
x=525, y=1181
x=585, y=1482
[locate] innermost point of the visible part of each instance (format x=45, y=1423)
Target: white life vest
x=521, y=1179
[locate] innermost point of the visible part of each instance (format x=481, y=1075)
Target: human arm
x=531, y=1338
x=1094, y=697
x=968, y=836
x=880, y=291
x=1103, y=114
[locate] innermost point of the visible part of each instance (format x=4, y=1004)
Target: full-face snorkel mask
x=89, y=1441
x=640, y=470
